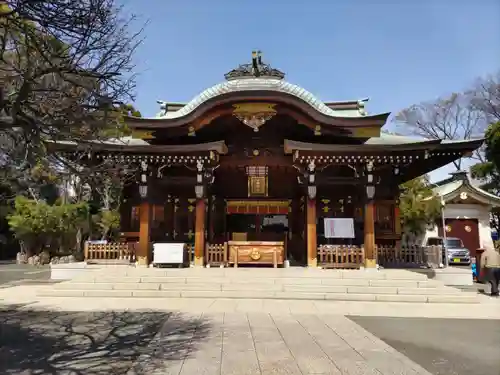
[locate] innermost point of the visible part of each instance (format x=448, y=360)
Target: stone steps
x=258, y=275
x=294, y=284
x=259, y=287
x=309, y=283
x=249, y=294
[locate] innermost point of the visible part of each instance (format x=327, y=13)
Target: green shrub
x=108, y=222
x=38, y=225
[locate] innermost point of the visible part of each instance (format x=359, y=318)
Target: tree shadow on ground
x=61, y=342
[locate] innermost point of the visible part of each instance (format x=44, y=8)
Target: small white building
x=466, y=211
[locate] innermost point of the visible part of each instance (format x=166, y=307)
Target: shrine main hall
x=257, y=170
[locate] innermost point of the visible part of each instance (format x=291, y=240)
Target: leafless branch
x=485, y=96
x=449, y=118
x=60, y=61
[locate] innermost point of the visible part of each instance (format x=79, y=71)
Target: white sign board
x=339, y=227
x=168, y=253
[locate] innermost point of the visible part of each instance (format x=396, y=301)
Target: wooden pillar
x=397, y=223
x=369, y=240
x=211, y=219
x=142, y=254
x=312, y=249
x=199, y=232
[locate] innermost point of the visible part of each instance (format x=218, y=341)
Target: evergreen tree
x=419, y=206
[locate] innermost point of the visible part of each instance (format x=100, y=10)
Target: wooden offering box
x=256, y=252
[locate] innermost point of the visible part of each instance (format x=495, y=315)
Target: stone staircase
x=259, y=283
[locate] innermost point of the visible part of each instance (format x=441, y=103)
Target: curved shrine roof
x=388, y=142
x=259, y=84
x=258, y=81
x=459, y=183
x=131, y=145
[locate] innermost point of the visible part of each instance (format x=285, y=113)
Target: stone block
x=372, y=289
x=252, y=287
x=206, y=280
x=68, y=271
x=458, y=298
x=299, y=295
x=346, y=282
x=198, y=287
x=394, y=283
x=404, y=275
x=299, y=280
x=454, y=276
x=60, y=293
x=255, y=281
x=137, y=286
x=363, y=274
x=200, y=294
x=315, y=288
x=163, y=280
x=156, y=294
x=429, y=284
x=116, y=279
x=256, y=294
x=323, y=274
x=108, y=293
x=401, y=298
x=428, y=291
x=349, y=297
x=83, y=286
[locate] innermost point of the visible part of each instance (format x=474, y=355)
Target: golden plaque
x=255, y=254
x=257, y=186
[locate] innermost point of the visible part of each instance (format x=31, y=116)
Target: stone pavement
x=207, y=336
x=97, y=343
x=12, y=273
x=259, y=343
x=489, y=308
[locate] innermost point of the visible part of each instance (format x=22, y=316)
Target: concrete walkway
x=258, y=343
x=489, y=308
x=225, y=336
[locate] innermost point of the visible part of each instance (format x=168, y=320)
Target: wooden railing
x=190, y=252
x=335, y=256
x=216, y=254
x=409, y=256
x=115, y=251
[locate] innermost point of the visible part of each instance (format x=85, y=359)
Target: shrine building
x=249, y=169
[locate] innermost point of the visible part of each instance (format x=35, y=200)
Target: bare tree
x=101, y=181
x=485, y=96
x=62, y=62
x=449, y=118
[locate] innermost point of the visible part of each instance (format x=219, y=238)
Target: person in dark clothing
x=490, y=263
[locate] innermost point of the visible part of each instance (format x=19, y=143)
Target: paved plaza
x=191, y=336
x=34, y=341
x=13, y=274
x=442, y=346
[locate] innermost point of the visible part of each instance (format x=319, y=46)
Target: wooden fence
x=409, y=256
x=335, y=256
x=115, y=251
x=329, y=256
x=216, y=254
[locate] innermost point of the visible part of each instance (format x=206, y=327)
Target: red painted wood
x=460, y=229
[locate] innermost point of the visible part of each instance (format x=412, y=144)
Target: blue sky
x=397, y=52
